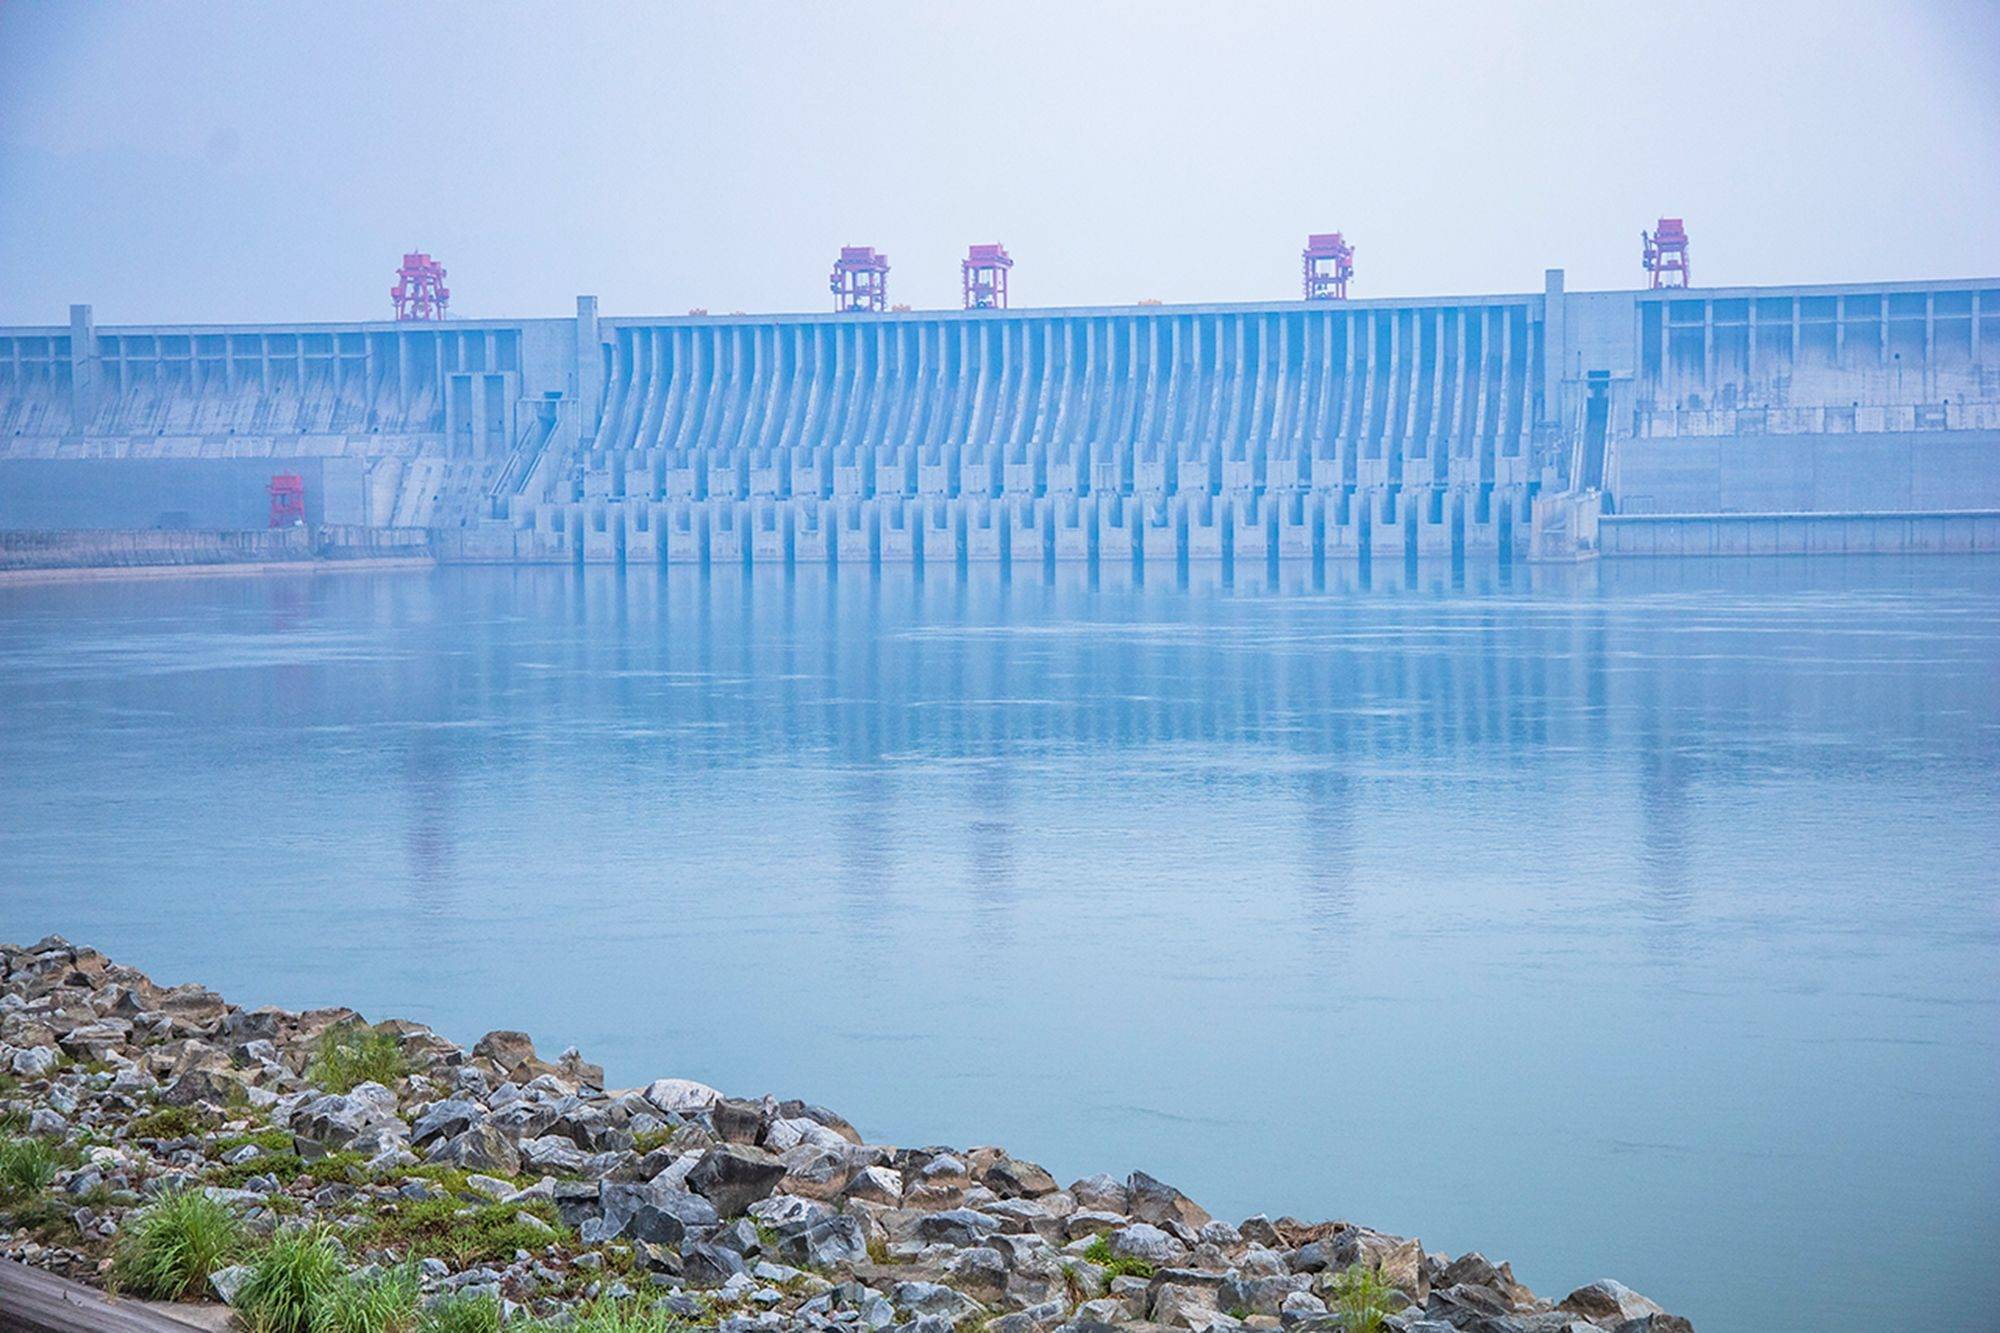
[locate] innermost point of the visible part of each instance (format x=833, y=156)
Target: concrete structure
x=1493, y=427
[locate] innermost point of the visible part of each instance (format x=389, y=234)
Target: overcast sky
x=254, y=161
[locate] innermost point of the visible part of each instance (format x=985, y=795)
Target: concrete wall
x=1245, y=431
x=172, y=492
x=81, y=550
x=1800, y=534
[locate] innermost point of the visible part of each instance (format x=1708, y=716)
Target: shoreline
x=27, y=577
x=494, y=1176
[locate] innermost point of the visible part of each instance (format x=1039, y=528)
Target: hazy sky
x=219, y=161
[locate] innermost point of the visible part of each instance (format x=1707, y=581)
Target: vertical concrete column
x=1555, y=345
x=83, y=364
x=588, y=370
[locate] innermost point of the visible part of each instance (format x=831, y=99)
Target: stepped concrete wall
x=1420, y=427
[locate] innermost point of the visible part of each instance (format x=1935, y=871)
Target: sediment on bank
x=382, y=1168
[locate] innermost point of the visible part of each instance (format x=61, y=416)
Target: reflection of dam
x=1844, y=418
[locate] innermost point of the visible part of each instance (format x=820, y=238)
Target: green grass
x=1099, y=1253
x=651, y=1140
x=1361, y=1298
x=462, y=1236
x=170, y=1122
x=290, y=1280
x=169, y=1249
x=27, y=1167
x=621, y=1317
x=384, y=1302
x=350, y=1055
x=286, y=1167
x=463, y=1314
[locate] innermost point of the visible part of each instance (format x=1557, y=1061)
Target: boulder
x=619, y=1201
x=1259, y=1295
x=1607, y=1302
x=1011, y=1178
x=738, y=1121
x=705, y=1265
x=202, y=1087
x=1146, y=1242
x=834, y=1241
x=936, y=1300
x=681, y=1096
x=1102, y=1194
x=876, y=1184
x=960, y=1227
x=480, y=1148
x=1157, y=1202
x=506, y=1049
x=447, y=1119
x=337, y=1120
x=732, y=1176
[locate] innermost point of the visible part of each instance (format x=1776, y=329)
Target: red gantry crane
x=1665, y=253
x=420, y=293
x=983, y=275
x=1328, y=261
x=860, y=279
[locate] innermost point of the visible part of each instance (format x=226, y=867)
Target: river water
x=1636, y=920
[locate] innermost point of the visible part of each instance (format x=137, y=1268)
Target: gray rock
x=1259, y=1295
x=935, y=1300
x=681, y=1096
x=1144, y=1241
x=46, y=1124
x=226, y=1282
x=619, y=1201
x=1101, y=1193
x=834, y=1241
x=447, y=1119
x=480, y=1148
x=1011, y=1178
x=334, y=1122
x=1607, y=1301
x=733, y=1176
x=979, y=1272
x=554, y=1154
x=1159, y=1203
x=961, y=1227
x=738, y=1121
x=704, y=1265
x=36, y=1061
x=202, y=1087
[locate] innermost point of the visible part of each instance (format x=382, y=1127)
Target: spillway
x=1551, y=424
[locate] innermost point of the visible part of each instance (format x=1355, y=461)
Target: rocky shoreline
x=504, y=1187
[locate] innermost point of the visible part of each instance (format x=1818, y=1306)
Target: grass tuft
x=1361, y=1297
x=350, y=1055
x=170, y=1122
x=383, y=1302
x=168, y=1250
x=27, y=1167
x=290, y=1280
x=462, y=1314
x=1099, y=1252
x=462, y=1236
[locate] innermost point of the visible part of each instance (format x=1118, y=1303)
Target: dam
x=1549, y=425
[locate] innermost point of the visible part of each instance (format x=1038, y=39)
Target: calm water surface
x=1634, y=921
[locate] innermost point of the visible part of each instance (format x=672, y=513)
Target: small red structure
x=1328, y=261
x=983, y=274
x=420, y=292
x=860, y=279
x=1665, y=253
x=288, y=500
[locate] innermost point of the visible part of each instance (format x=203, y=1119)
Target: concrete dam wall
x=1492, y=427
